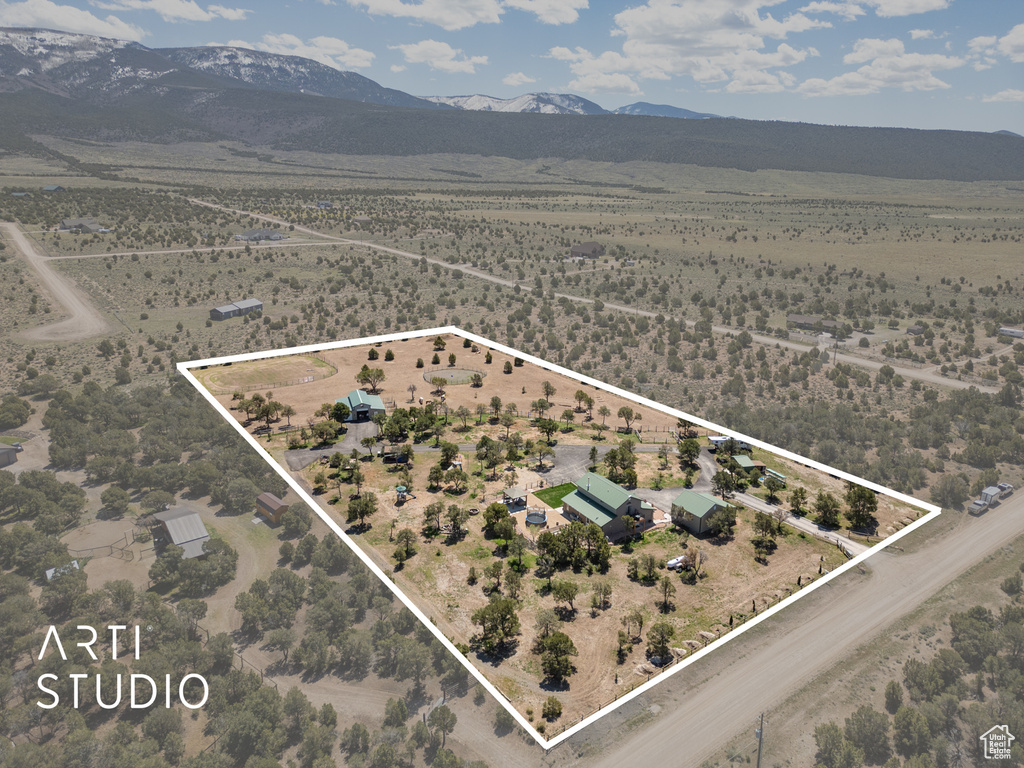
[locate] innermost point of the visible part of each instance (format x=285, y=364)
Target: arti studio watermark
x=143, y=690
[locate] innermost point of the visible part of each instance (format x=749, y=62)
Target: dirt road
x=703, y=709
x=84, y=319
x=928, y=376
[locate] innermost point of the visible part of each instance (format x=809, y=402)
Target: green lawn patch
x=553, y=496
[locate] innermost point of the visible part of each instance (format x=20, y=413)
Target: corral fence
x=464, y=374
x=315, y=375
x=121, y=549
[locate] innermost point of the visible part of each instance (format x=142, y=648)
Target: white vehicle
x=1005, y=489
x=718, y=440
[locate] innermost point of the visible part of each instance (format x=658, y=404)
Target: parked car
x=978, y=506
x=1005, y=489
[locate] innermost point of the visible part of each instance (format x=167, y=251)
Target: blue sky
x=953, y=64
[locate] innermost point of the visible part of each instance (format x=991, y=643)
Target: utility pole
x=759, y=733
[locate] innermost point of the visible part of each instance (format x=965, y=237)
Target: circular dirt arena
x=453, y=375
x=261, y=375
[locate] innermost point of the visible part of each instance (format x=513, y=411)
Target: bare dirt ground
x=84, y=319
x=706, y=705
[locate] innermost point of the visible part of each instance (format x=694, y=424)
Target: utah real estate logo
x=997, y=742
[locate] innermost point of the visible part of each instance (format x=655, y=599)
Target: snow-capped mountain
x=661, y=110
x=544, y=103
x=69, y=64
x=293, y=74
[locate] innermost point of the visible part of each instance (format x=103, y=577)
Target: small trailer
x=992, y=494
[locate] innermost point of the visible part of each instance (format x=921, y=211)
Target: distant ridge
x=295, y=74
x=79, y=86
x=661, y=110
x=542, y=103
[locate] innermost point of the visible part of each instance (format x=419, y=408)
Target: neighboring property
x=360, y=221
x=20, y=194
x=693, y=509
x=362, y=406
x=1013, y=333
x=257, y=235
x=8, y=455
x=184, y=528
x=271, y=507
x=598, y=500
x=54, y=188
x=811, y=322
x=324, y=204
x=587, y=250
x=86, y=226
x=243, y=307
x=916, y=330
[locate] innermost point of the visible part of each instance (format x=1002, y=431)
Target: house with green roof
x=692, y=509
x=361, y=405
x=746, y=463
x=598, y=500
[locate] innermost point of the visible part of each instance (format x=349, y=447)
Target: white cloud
x=922, y=34
x=551, y=11
x=327, y=50
x=231, y=14
x=175, y=10
x=886, y=65
x=1010, y=94
x=599, y=82
x=847, y=10
x=712, y=42
x=890, y=8
x=987, y=48
x=440, y=56
x=447, y=14
x=982, y=44
x=396, y=68
x=756, y=81
x=873, y=48
x=49, y=15
x=1012, y=44
x=516, y=79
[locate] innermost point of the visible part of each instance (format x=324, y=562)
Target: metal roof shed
x=185, y=528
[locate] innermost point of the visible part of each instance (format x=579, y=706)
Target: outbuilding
x=271, y=507
x=693, y=509
x=588, y=250
x=184, y=528
x=362, y=406
x=8, y=455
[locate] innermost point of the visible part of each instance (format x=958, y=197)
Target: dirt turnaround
x=84, y=320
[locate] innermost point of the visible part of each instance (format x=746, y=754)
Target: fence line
x=768, y=602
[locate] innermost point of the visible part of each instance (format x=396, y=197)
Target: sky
x=947, y=64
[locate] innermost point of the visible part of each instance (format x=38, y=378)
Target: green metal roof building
x=693, y=509
x=362, y=406
x=598, y=500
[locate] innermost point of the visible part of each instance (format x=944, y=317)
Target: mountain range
x=61, y=62
x=85, y=87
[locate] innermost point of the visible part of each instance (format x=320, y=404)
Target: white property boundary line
x=185, y=369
